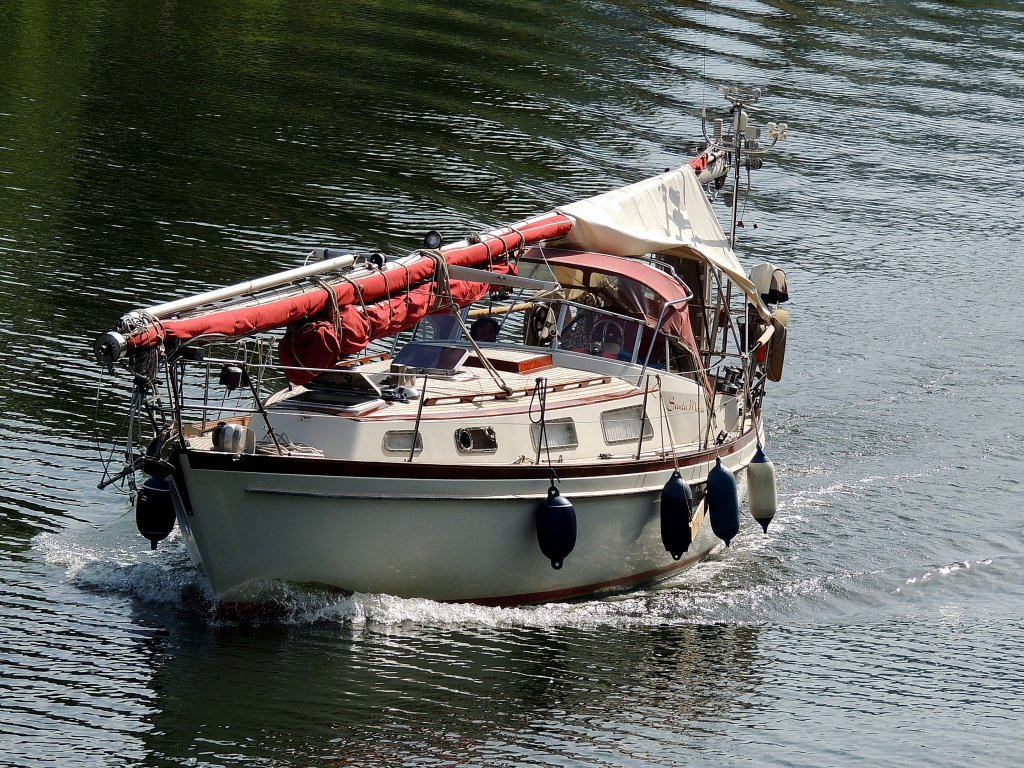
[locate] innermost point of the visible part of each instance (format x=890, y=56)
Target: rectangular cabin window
x=680, y=359
x=560, y=433
x=476, y=440
x=622, y=425
x=399, y=442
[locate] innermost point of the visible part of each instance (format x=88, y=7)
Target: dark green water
x=151, y=149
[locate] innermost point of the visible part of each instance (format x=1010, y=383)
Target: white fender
x=762, y=493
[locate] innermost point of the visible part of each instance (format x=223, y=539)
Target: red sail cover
x=317, y=344
x=386, y=289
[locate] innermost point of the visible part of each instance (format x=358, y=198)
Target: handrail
x=657, y=328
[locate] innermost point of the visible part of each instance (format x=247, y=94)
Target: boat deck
x=372, y=393
x=518, y=370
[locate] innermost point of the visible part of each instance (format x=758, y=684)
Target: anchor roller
x=723, y=502
x=676, y=515
x=556, y=527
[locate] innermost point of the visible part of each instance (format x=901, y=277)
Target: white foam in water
x=116, y=559
x=950, y=569
x=303, y=607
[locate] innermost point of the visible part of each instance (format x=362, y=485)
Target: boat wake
x=743, y=585
x=111, y=561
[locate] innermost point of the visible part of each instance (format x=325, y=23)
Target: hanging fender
x=556, y=527
x=777, y=345
x=676, y=515
x=154, y=510
x=762, y=494
x=723, y=502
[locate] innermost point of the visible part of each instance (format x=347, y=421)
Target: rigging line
x=357, y=289
x=333, y=299
x=758, y=416
x=746, y=199
x=704, y=59
x=668, y=424
x=419, y=418
x=504, y=245
x=661, y=419
x=488, y=366
x=107, y=460
x=540, y=395
x=521, y=248
x=643, y=418
x=408, y=285
x=129, y=458
x=710, y=404
x=441, y=278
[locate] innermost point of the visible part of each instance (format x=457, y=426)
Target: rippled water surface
x=152, y=149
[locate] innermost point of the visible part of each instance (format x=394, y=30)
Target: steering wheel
x=605, y=327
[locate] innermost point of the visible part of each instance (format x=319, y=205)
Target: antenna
x=734, y=144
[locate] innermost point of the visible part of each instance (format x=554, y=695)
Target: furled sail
x=389, y=298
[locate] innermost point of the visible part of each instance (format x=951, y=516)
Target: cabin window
x=680, y=359
x=622, y=425
x=476, y=440
x=560, y=433
x=399, y=442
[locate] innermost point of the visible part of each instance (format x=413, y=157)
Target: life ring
x=777, y=345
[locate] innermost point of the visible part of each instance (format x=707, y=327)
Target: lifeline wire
x=668, y=424
x=108, y=460
x=479, y=352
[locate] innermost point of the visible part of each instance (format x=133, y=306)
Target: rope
x=126, y=428
x=443, y=296
x=643, y=418
x=408, y=287
x=540, y=395
x=522, y=243
x=333, y=298
x=356, y=287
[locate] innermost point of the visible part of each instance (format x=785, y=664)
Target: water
x=148, y=150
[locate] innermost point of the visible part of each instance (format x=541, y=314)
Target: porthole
x=476, y=440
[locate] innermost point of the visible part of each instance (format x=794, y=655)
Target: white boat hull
x=443, y=538
x=612, y=340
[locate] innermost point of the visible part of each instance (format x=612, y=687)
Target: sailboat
x=567, y=406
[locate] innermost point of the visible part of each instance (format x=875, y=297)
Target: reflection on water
x=151, y=150
x=444, y=694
